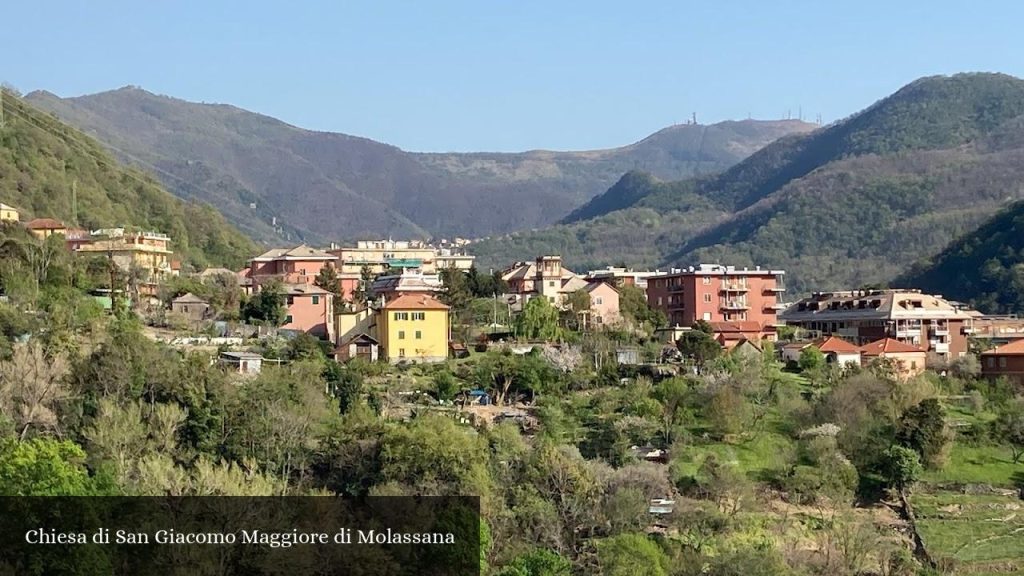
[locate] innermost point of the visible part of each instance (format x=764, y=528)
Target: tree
x=537, y=321
x=364, y=289
x=631, y=555
x=672, y=394
x=923, y=428
x=456, y=291
x=267, y=306
x=538, y=562
x=32, y=386
x=699, y=346
x=901, y=467
x=579, y=306
x=327, y=279
x=445, y=385
x=811, y=359
x=45, y=467
x=1009, y=427
x=633, y=305
x=728, y=411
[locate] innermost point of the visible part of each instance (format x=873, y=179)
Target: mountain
x=324, y=186
x=984, y=267
x=49, y=169
x=855, y=202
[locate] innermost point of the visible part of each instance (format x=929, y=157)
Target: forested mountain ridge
x=325, y=186
x=852, y=203
x=984, y=268
x=49, y=169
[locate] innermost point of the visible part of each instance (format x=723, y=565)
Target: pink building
x=298, y=265
x=310, y=310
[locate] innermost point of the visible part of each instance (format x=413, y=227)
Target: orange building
x=908, y=359
x=310, y=310
x=714, y=293
x=1006, y=361
x=298, y=265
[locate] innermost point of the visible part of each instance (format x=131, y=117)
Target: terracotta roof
x=595, y=284
x=302, y=289
x=415, y=302
x=888, y=346
x=743, y=326
x=837, y=345
x=44, y=224
x=1013, y=348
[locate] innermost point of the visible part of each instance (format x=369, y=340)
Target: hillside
x=860, y=200
x=324, y=186
x=984, y=268
x=42, y=160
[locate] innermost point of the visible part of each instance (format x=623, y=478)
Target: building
x=406, y=282
x=191, y=306
x=75, y=238
x=925, y=321
x=43, y=228
x=298, y=265
x=381, y=256
x=836, y=351
x=545, y=276
x=148, y=252
x=620, y=277
x=310, y=309
x=996, y=329
x=361, y=346
x=731, y=334
x=1006, y=361
x=414, y=328
x=453, y=258
x=909, y=360
x=604, y=304
x=247, y=363
x=8, y=213
x=715, y=293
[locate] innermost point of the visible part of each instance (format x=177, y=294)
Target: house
x=415, y=328
x=190, y=306
x=604, y=303
x=361, y=346
x=310, y=309
x=215, y=272
x=747, y=349
x=247, y=363
x=298, y=265
x=924, y=321
x=349, y=323
x=43, y=228
x=148, y=252
x=729, y=334
x=715, y=293
x=1006, y=361
x=620, y=277
x=909, y=360
x=8, y=213
x=75, y=238
x=544, y=277
x=835, y=349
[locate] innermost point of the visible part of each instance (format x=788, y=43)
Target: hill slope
x=324, y=186
x=984, y=267
x=42, y=160
x=858, y=201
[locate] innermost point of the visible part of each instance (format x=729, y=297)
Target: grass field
x=981, y=533
x=979, y=465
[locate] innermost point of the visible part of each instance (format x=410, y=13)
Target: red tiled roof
x=744, y=326
x=44, y=224
x=1013, y=348
x=837, y=345
x=415, y=302
x=888, y=346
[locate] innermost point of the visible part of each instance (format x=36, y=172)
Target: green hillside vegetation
x=48, y=169
x=853, y=203
x=984, y=268
x=325, y=186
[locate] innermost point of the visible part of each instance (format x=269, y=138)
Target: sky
x=491, y=75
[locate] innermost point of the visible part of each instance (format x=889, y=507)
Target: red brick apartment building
x=715, y=293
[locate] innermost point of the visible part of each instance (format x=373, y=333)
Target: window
x=419, y=315
x=184, y=308
x=401, y=334
x=707, y=316
x=707, y=298
x=598, y=301
x=706, y=280
x=401, y=352
x=991, y=362
x=291, y=300
x=401, y=316
x=659, y=300
x=288, y=319
x=316, y=300
x=551, y=283
x=551, y=299
x=1002, y=362
x=419, y=335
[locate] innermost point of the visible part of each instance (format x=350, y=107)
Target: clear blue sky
x=504, y=75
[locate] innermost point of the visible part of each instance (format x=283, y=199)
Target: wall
x=432, y=346
x=316, y=319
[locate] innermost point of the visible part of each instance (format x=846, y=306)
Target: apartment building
x=146, y=251
x=406, y=282
x=620, y=277
x=380, y=256
x=298, y=265
x=928, y=322
x=310, y=309
x=715, y=294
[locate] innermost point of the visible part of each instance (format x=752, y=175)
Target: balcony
x=940, y=329
x=939, y=347
x=734, y=287
x=775, y=307
x=908, y=331
x=675, y=288
x=733, y=305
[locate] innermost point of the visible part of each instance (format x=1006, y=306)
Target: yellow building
x=148, y=251
x=43, y=228
x=413, y=328
x=8, y=213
